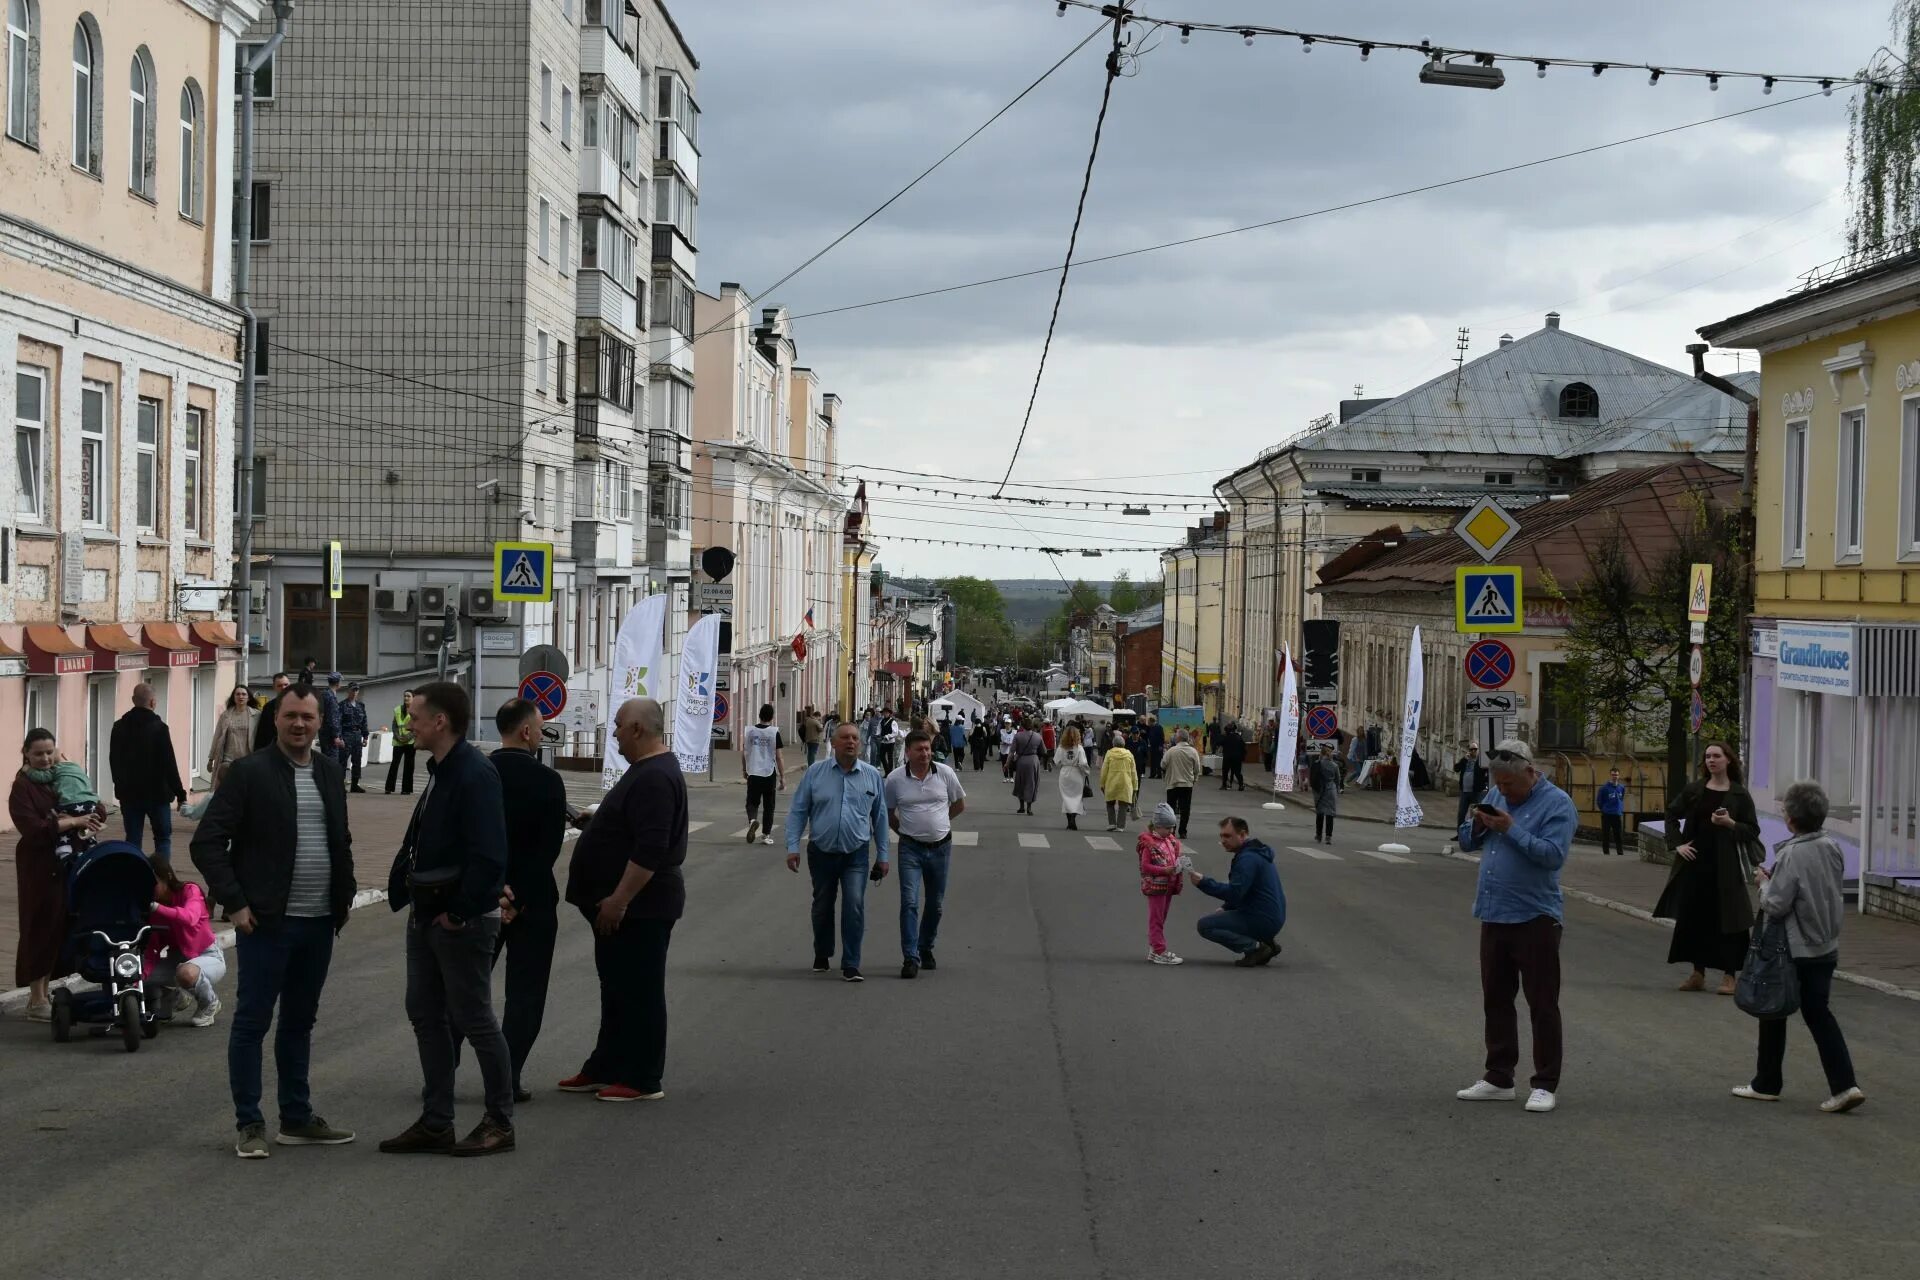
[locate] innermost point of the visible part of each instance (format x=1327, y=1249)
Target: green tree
x=1627, y=648
x=1883, y=145
x=1123, y=595
x=983, y=635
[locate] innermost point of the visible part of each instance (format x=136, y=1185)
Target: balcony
x=667, y=348
x=602, y=422
x=674, y=147
x=602, y=544
x=670, y=246
x=601, y=55
x=599, y=173
x=598, y=297
x=664, y=449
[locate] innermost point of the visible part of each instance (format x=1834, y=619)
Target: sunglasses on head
x=1510, y=756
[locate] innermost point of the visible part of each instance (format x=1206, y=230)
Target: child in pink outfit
x=1159, y=850
x=180, y=948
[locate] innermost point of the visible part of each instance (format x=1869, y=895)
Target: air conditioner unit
x=432, y=636
x=392, y=600
x=480, y=604
x=433, y=601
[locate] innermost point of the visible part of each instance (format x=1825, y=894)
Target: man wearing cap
x=353, y=735
x=332, y=744
x=1524, y=832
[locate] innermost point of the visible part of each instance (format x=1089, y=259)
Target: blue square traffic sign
x=523, y=571
x=1487, y=599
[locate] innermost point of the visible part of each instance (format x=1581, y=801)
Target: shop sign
x=1817, y=657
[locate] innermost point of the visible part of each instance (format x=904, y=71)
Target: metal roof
x=1140, y=619
x=1372, y=494
x=1694, y=418
x=1508, y=401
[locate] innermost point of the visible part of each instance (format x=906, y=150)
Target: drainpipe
x=1274, y=577
x=1748, y=531
x=242, y=299
x=1227, y=578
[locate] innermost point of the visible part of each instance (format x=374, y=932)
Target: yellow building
x=1834, y=690
x=1191, y=656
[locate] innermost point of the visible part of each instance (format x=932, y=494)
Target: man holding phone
x=1525, y=833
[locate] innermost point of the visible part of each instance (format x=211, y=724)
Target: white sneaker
x=1481, y=1091
x=1845, y=1101
x=753, y=829
x=1752, y=1094
x=766, y=839
x=1540, y=1100
x=204, y=1018
x=1165, y=957
x=40, y=1012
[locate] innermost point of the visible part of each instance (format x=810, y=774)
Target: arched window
x=1578, y=400
x=23, y=72
x=140, y=146
x=192, y=154
x=86, y=96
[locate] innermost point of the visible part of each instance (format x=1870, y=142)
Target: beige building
x=1192, y=653
x=120, y=354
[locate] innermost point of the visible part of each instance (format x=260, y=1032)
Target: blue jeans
x=160, y=815
x=844, y=874
x=919, y=860
x=813, y=752
x=282, y=961
x=1237, y=931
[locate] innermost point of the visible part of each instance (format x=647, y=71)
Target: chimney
x=1506, y=339
x=1553, y=319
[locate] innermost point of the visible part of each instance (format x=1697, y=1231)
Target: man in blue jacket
x=452, y=864
x=1612, y=800
x=1525, y=834
x=1256, y=906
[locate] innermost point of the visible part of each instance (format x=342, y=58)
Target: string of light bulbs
x=1440, y=55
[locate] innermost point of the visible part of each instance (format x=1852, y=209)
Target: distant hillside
x=1031, y=601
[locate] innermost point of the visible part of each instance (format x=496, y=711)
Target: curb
x=1884, y=987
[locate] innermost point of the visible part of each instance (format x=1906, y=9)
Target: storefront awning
x=51, y=651
x=902, y=669
x=214, y=637
x=12, y=661
x=168, y=646
x=115, y=650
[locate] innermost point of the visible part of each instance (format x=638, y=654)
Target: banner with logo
x=1289, y=737
x=693, y=711
x=636, y=657
x=1406, y=810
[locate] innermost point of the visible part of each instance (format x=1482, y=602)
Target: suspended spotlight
x=1826, y=88
x=1713, y=84
x=1654, y=78
x=1248, y=37
x=1598, y=67
x=1540, y=70
x=1186, y=35
x=1306, y=44
x=1766, y=84
x=1366, y=51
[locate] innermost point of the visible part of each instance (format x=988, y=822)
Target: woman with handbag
x=1710, y=827
x=1070, y=762
x=1803, y=891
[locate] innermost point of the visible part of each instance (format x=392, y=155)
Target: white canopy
x=1078, y=709
x=1059, y=702
x=961, y=703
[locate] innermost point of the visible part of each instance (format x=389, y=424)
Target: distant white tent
x=961, y=704
x=1077, y=709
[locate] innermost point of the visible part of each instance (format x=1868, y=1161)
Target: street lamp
x=1480, y=74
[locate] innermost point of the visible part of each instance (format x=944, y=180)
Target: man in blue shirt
x=841, y=804
x=1524, y=834
x=1612, y=799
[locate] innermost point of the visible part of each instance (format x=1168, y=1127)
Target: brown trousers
x=1516, y=957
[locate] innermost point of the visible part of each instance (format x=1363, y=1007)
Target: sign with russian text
x=1817, y=657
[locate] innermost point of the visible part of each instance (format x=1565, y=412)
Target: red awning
x=115, y=650
x=12, y=661
x=214, y=637
x=51, y=651
x=902, y=669
x=168, y=646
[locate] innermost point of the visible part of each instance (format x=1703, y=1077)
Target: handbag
x=1769, y=985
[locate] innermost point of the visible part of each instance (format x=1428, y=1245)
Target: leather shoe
x=488, y=1138
x=419, y=1140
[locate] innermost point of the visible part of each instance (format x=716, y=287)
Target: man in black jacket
x=263, y=730
x=277, y=855
x=536, y=811
x=146, y=777
x=451, y=869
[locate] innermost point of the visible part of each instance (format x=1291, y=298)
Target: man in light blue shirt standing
x=841, y=806
x=1525, y=834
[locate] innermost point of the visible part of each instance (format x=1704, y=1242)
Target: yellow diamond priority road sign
x=1487, y=528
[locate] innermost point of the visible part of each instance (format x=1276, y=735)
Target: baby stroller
x=109, y=891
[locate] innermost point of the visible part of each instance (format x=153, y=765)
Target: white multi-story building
x=764, y=487
x=453, y=267
x=120, y=357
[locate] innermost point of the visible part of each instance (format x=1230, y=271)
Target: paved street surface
x=1047, y=1104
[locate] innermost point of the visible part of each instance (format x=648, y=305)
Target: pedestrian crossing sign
x=1487, y=599
x=523, y=571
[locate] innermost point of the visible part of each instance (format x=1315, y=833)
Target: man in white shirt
x=923, y=798
x=760, y=764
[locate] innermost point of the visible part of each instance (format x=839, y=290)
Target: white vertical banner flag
x=1289, y=735
x=1406, y=810
x=636, y=662
x=693, y=712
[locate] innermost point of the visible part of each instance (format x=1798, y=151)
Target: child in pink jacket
x=180, y=949
x=1160, y=859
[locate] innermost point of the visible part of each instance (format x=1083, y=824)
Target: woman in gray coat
x=1324, y=777
x=1804, y=890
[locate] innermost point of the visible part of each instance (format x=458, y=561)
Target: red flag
x=799, y=647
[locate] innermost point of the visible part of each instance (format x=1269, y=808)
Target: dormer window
x=1366, y=475
x=1578, y=400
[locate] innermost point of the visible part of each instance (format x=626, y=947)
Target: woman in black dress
x=1710, y=827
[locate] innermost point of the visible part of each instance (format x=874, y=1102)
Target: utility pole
x=242, y=299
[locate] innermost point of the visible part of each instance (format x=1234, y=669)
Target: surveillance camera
x=526, y=514
x=487, y=486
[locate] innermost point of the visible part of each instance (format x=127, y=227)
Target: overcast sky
x=1178, y=366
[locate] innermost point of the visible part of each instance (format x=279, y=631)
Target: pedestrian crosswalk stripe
x=697, y=826
x=1319, y=854
x=1033, y=840
x=966, y=837
x=1102, y=842
x=1384, y=857
x=741, y=834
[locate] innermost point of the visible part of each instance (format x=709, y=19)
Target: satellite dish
x=716, y=563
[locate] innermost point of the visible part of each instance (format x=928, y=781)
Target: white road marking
x=1384, y=857
x=1033, y=840
x=1102, y=842
x=697, y=826
x=741, y=834
x=966, y=838
x=1320, y=855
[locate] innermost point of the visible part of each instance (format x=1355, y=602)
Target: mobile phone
x=1486, y=808
x=573, y=812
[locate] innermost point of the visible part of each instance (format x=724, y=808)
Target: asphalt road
x=1047, y=1104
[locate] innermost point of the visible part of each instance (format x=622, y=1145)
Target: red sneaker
x=622, y=1093
x=581, y=1083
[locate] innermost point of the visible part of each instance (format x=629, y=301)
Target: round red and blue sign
x=546, y=691
x=1489, y=664
x=1322, y=722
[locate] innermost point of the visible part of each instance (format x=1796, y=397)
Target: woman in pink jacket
x=180, y=948
x=1160, y=859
